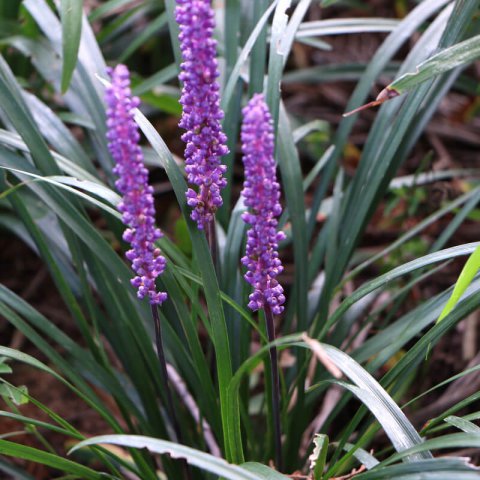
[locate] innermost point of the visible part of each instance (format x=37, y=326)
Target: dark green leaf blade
x=194, y=457
x=447, y=59
x=45, y=458
x=71, y=15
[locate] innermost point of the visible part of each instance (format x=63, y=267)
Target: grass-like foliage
x=310, y=373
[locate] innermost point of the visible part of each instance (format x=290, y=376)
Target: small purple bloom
x=137, y=204
x=205, y=141
x=261, y=192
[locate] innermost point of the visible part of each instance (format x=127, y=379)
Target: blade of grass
x=18, y=113
x=159, y=78
x=462, y=424
x=71, y=15
x=435, y=469
x=199, y=459
x=153, y=28
x=293, y=188
x=466, y=276
x=263, y=471
x=242, y=58
x=49, y=459
x=107, y=8
x=276, y=59
x=401, y=432
x=233, y=285
x=174, y=31
x=435, y=257
x=454, y=440
x=447, y=59
x=259, y=51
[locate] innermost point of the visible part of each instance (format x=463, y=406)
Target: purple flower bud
x=205, y=141
x=261, y=193
x=137, y=207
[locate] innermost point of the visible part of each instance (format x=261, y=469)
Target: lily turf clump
x=261, y=194
x=201, y=116
x=225, y=413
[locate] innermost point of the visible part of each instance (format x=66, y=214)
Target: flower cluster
x=205, y=141
x=137, y=204
x=261, y=193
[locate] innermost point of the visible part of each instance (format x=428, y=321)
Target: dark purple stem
x=164, y=373
x=166, y=387
x=211, y=235
x=275, y=379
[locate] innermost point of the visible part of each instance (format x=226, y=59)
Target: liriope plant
x=228, y=418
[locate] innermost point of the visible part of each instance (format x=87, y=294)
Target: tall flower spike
x=205, y=141
x=261, y=192
x=137, y=204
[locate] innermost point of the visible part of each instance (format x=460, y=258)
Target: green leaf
x=263, y=472
x=13, y=140
x=291, y=172
x=14, y=471
x=32, y=421
x=328, y=3
x=466, y=276
x=54, y=461
x=66, y=183
x=17, y=111
x=151, y=29
x=259, y=51
x=108, y=8
x=242, y=58
x=454, y=440
x=448, y=59
x=294, y=23
x=462, y=424
x=434, y=469
x=384, y=279
x=398, y=428
x=276, y=61
x=341, y=26
x=292, y=184
x=4, y=367
x=157, y=79
x=174, y=31
x=472, y=196
x=84, y=96
x=319, y=456
x=18, y=395
x=359, y=201
x=83, y=391
x=194, y=457
x=362, y=455
x=71, y=15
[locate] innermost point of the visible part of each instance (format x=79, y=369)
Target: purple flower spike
x=137, y=204
x=261, y=192
x=205, y=141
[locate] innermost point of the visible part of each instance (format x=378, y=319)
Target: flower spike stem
x=164, y=373
x=163, y=369
x=261, y=193
x=211, y=234
x=275, y=380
